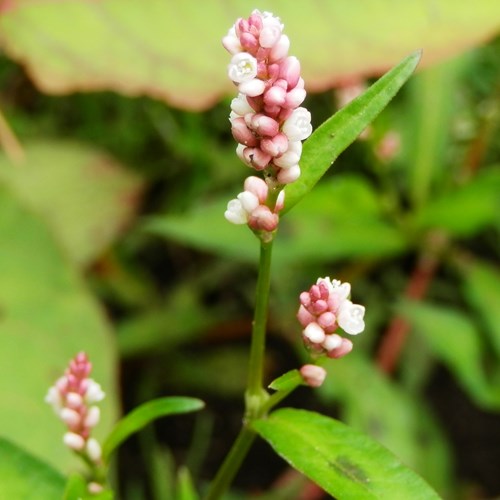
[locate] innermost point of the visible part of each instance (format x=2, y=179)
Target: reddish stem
x=395, y=336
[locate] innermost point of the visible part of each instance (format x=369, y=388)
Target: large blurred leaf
x=338, y=132
x=468, y=209
x=46, y=317
x=390, y=415
x=24, y=476
x=84, y=196
x=482, y=289
x=344, y=462
x=339, y=218
x=455, y=340
x=172, y=50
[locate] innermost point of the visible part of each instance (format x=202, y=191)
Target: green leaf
x=466, y=210
x=185, y=486
x=333, y=136
x=454, y=339
x=432, y=107
x=47, y=315
x=482, y=290
x=338, y=41
x=146, y=413
x=344, y=462
x=286, y=381
x=24, y=476
x=390, y=414
x=85, y=197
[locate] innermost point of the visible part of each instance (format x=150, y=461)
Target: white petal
x=249, y=201
x=235, y=213
x=242, y=68
x=350, y=317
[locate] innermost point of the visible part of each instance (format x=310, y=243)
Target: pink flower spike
x=313, y=375
x=73, y=393
x=275, y=96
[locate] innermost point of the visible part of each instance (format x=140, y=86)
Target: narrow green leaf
x=145, y=414
x=431, y=112
x=482, y=290
x=338, y=132
x=185, y=486
x=24, y=476
x=454, y=339
x=286, y=381
x=344, y=462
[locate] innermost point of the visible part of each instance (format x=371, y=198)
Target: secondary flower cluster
x=325, y=308
x=266, y=118
x=73, y=397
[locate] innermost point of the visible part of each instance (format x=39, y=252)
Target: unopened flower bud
x=289, y=175
x=74, y=441
x=313, y=375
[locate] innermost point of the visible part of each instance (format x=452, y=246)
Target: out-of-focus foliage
x=172, y=50
x=87, y=264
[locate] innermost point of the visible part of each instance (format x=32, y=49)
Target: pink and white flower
x=324, y=309
x=266, y=118
x=73, y=399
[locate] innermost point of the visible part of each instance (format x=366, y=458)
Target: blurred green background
x=117, y=162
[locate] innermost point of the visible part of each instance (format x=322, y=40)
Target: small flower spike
x=325, y=308
x=72, y=397
x=266, y=118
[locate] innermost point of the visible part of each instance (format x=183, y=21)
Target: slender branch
x=256, y=363
x=395, y=336
x=231, y=464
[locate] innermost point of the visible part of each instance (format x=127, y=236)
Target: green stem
x=255, y=396
x=231, y=463
x=255, y=392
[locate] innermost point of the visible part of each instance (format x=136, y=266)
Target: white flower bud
x=314, y=333
x=249, y=201
x=74, y=441
x=313, y=375
x=93, y=416
x=93, y=449
x=70, y=417
x=94, y=393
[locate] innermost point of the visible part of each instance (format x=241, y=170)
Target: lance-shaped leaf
x=333, y=136
x=145, y=414
x=344, y=462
